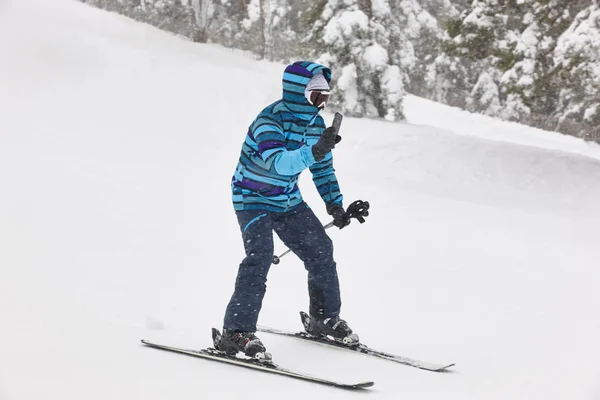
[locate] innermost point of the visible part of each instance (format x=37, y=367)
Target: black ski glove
x=340, y=216
x=329, y=138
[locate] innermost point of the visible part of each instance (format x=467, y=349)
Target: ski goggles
x=319, y=98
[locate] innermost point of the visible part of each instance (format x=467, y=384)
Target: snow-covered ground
x=117, y=145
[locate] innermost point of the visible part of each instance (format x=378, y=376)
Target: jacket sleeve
x=271, y=148
x=325, y=180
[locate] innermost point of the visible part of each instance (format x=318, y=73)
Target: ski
x=255, y=364
x=359, y=348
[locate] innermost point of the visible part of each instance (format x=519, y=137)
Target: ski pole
x=359, y=210
x=277, y=259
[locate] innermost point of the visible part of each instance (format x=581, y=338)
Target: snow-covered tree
x=225, y=23
x=577, y=57
x=417, y=39
x=468, y=52
x=203, y=10
x=367, y=46
x=529, y=78
x=502, y=56
x=442, y=10
x=268, y=30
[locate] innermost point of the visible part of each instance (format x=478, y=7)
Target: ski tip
x=445, y=368
x=364, y=385
x=150, y=343
x=354, y=386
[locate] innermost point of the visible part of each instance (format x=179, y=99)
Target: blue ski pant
x=302, y=232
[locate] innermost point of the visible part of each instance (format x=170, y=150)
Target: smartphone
x=337, y=121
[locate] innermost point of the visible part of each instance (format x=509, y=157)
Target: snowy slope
x=117, y=144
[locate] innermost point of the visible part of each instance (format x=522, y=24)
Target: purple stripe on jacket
x=269, y=144
x=264, y=189
x=252, y=185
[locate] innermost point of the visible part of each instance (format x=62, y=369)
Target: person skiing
x=286, y=138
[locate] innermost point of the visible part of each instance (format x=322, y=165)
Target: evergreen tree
x=502, y=56
x=416, y=37
x=354, y=38
x=577, y=58
x=225, y=27
x=203, y=10
x=530, y=79
x=260, y=26
x=442, y=10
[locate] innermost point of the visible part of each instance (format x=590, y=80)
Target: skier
x=287, y=137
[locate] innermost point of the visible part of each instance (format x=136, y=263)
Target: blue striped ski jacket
x=278, y=147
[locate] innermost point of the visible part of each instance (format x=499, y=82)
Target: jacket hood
x=295, y=78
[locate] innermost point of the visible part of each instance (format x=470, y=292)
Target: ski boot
x=335, y=328
x=232, y=342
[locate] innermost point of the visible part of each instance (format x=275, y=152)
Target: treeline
x=532, y=61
